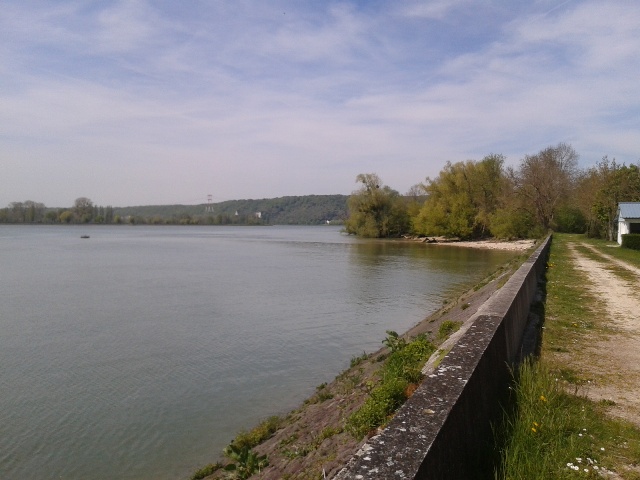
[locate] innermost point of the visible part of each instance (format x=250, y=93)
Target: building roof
x=629, y=210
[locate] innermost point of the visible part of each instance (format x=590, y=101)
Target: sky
x=146, y=102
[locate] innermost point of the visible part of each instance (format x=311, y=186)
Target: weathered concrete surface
x=444, y=431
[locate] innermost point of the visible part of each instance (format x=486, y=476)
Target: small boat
x=84, y=236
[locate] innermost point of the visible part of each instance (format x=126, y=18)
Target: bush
x=401, y=368
x=447, y=328
x=258, y=434
x=631, y=240
x=570, y=220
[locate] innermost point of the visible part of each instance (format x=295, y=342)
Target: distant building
x=628, y=219
x=258, y=214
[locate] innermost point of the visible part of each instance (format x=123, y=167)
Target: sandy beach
x=516, y=245
x=512, y=245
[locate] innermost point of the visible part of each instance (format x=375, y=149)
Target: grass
x=556, y=431
x=559, y=435
x=206, y=471
x=258, y=434
x=617, y=270
x=632, y=257
x=447, y=328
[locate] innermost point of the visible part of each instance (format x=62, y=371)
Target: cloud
x=145, y=102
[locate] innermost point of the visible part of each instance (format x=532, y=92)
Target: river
x=139, y=352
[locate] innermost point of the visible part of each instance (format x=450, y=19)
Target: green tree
x=462, y=199
x=376, y=211
x=617, y=183
x=66, y=216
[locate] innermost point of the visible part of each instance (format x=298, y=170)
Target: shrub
x=631, y=240
x=394, y=342
x=247, y=461
x=355, y=361
x=206, y=471
x=401, y=368
x=447, y=328
x=257, y=435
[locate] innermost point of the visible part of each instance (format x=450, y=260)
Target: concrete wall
x=444, y=431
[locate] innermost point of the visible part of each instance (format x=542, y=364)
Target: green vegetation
x=394, y=342
x=357, y=360
x=400, y=370
x=447, y=328
x=206, y=471
x=375, y=210
x=631, y=241
x=258, y=434
x=557, y=434
x=605, y=247
x=295, y=210
x=461, y=200
x=476, y=199
x=555, y=430
x=247, y=462
x=605, y=185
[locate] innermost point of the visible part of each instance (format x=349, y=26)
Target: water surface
x=138, y=353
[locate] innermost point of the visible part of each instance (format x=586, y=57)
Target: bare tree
x=545, y=180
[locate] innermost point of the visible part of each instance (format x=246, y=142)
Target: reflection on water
x=140, y=352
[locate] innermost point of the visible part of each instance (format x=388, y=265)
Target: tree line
x=82, y=211
x=478, y=199
x=293, y=210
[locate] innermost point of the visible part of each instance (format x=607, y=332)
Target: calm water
x=140, y=352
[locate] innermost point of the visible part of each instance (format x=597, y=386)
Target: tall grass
x=559, y=434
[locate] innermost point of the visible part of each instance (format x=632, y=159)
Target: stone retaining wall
x=444, y=431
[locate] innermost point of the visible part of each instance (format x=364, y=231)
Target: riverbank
x=311, y=442
x=492, y=244
x=513, y=246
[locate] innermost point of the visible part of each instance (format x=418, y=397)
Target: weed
x=247, y=462
x=324, y=396
x=289, y=440
x=322, y=393
x=206, y=471
x=296, y=451
x=441, y=354
x=258, y=434
x=394, y=342
x=355, y=361
x=327, y=432
x=553, y=431
x=447, y=328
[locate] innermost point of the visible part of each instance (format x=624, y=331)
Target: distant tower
x=209, y=207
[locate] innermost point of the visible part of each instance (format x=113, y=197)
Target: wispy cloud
x=134, y=102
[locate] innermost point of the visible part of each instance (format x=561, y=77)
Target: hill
x=292, y=210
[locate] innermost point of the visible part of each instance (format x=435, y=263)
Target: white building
x=628, y=219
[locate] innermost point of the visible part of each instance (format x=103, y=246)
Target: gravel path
x=615, y=359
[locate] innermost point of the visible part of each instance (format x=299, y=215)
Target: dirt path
x=613, y=362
